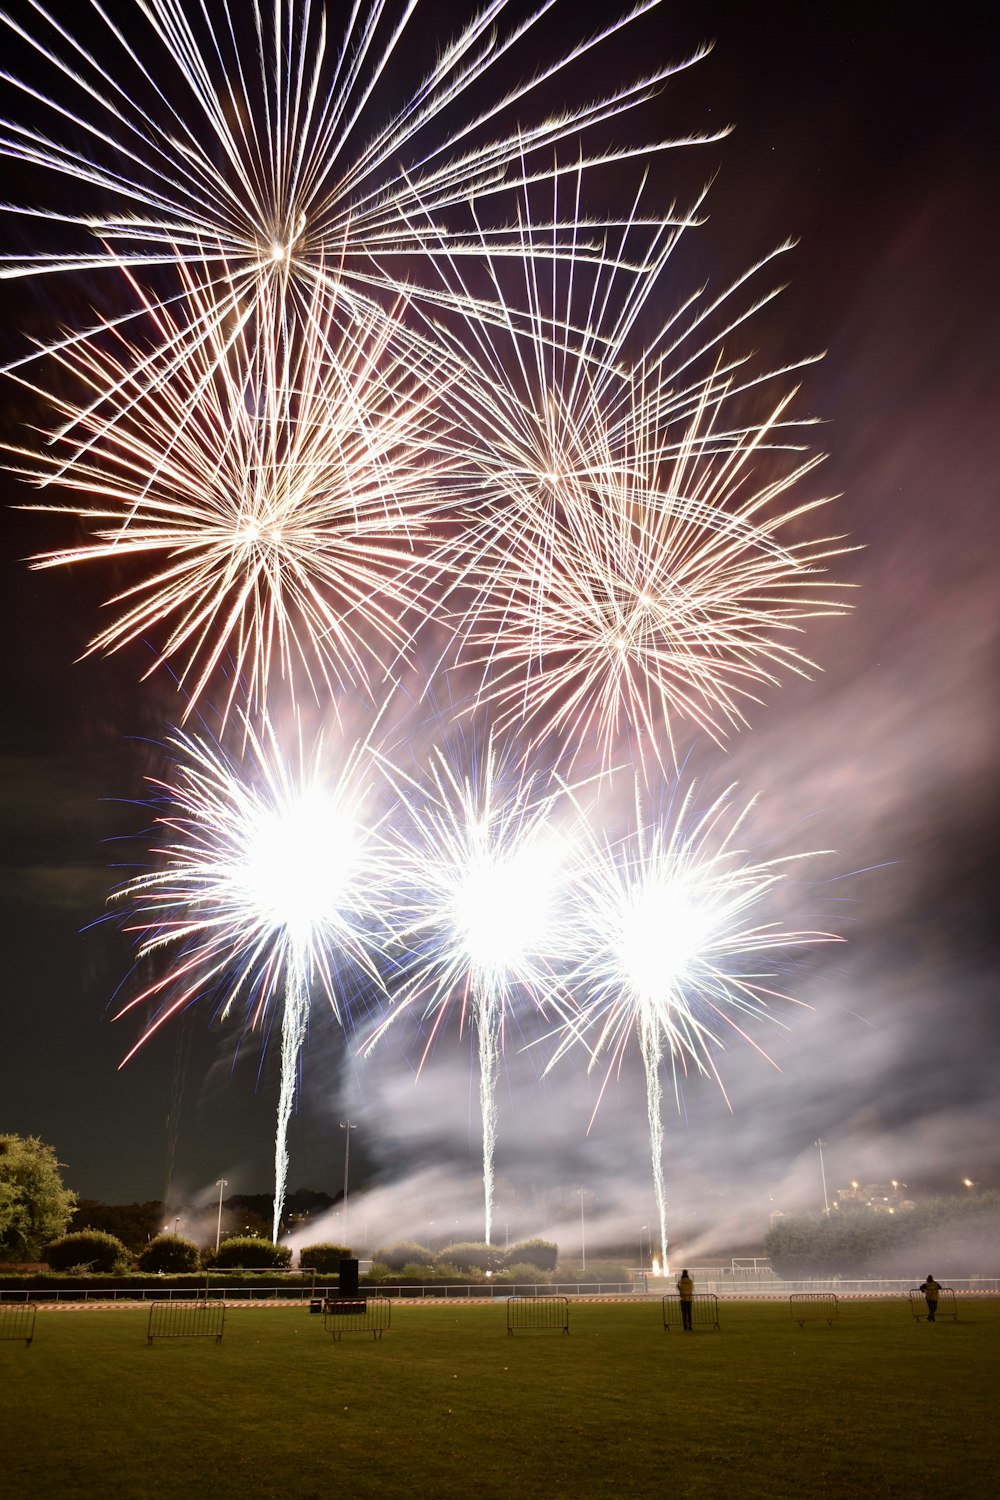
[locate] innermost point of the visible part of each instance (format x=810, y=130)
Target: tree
x=405, y=1252
x=35, y=1207
x=471, y=1255
x=253, y=1254
x=170, y=1252
x=135, y=1224
x=540, y=1253
x=324, y=1258
x=87, y=1250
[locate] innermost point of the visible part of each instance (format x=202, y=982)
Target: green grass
x=446, y=1405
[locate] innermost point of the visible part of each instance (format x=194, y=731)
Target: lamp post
x=643, y=1241
x=583, y=1236
x=346, y=1127
x=822, y=1172
x=221, y=1184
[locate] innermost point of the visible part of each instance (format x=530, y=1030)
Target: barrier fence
x=357, y=1315
x=17, y=1321
x=814, y=1306
x=947, y=1307
x=186, y=1320
x=538, y=1313
x=704, y=1311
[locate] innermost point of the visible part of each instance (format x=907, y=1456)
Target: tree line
x=953, y=1236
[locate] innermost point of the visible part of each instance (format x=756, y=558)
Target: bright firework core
x=662, y=931
x=503, y=908
x=297, y=862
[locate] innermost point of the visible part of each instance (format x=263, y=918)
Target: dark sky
x=866, y=132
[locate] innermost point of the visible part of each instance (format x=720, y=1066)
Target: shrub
x=472, y=1255
x=244, y=1250
x=89, y=1249
x=597, y=1270
x=323, y=1258
x=416, y=1271
x=404, y=1252
x=170, y=1253
x=540, y=1253
x=378, y=1272
x=526, y=1273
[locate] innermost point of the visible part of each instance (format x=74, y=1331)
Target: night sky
x=867, y=133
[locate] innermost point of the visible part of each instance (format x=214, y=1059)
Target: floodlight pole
x=822, y=1172
x=221, y=1184
x=583, y=1236
x=346, y=1127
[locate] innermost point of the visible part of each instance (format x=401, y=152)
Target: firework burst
x=476, y=906
x=272, y=504
x=245, y=140
x=667, y=582
x=261, y=895
x=631, y=558
x=679, y=950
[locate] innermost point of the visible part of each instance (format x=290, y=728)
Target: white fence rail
x=639, y=1286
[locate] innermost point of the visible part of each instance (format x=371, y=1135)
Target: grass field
x=447, y=1405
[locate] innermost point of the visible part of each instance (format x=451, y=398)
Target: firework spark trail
x=276, y=504
x=631, y=559
x=250, y=141
x=476, y=903
x=680, y=941
x=668, y=583
x=262, y=893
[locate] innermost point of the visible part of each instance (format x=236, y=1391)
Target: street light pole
x=822, y=1172
x=346, y=1127
x=643, y=1234
x=222, y=1183
x=583, y=1235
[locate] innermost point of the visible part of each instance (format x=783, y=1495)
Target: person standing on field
x=685, y=1290
x=932, y=1292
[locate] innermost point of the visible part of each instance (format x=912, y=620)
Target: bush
x=87, y=1249
x=540, y=1253
x=254, y=1254
x=323, y=1258
x=170, y=1253
x=417, y=1271
x=597, y=1270
x=472, y=1255
x=405, y=1252
x=525, y=1273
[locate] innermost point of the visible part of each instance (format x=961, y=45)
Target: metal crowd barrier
x=821, y=1306
x=538, y=1313
x=186, y=1320
x=357, y=1315
x=704, y=1310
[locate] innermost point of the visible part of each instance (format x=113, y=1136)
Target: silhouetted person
x=932, y=1292
x=685, y=1290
